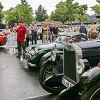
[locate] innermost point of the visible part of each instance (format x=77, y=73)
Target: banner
x=13, y=39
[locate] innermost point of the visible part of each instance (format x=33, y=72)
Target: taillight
x=99, y=65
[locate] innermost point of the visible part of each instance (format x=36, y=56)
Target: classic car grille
x=70, y=65
x=27, y=56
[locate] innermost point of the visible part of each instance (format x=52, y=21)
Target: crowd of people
x=26, y=34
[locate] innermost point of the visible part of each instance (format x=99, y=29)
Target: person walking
x=55, y=32
x=21, y=38
x=83, y=29
x=7, y=33
x=45, y=33
x=34, y=32
x=93, y=33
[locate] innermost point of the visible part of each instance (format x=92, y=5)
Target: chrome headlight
x=32, y=52
x=53, y=56
x=36, y=49
x=80, y=66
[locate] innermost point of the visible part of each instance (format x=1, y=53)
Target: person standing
x=34, y=32
x=7, y=33
x=83, y=29
x=45, y=33
x=93, y=33
x=15, y=26
x=27, y=36
x=55, y=32
x=21, y=38
x=51, y=30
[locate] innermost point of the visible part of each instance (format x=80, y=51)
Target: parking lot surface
x=17, y=82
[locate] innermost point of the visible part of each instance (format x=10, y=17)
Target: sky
x=49, y=5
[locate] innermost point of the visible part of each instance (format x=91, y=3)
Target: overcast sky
x=49, y=5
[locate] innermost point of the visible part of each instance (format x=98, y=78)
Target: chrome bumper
x=31, y=65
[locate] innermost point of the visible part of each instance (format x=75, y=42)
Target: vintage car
x=52, y=66
x=34, y=56
x=3, y=39
x=81, y=71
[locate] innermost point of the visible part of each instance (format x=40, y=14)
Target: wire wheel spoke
x=48, y=71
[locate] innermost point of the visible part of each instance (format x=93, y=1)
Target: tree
x=25, y=12
x=21, y=11
x=1, y=15
x=41, y=14
x=75, y=11
x=96, y=8
x=10, y=16
x=60, y=13
x=81, y=15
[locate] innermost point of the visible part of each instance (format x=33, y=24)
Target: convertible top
x=74, y=35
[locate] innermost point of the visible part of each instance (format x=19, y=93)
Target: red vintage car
x=3, y=39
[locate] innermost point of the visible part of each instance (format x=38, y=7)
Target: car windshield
x=69, y=30
x=61, y=39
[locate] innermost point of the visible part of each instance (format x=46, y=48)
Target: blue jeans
x=55, y=36
x=34, y=37
x=30, y=37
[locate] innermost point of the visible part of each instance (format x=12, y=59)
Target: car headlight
x=53, y=56
x=32, y=52
x=36, y=49
x=80, y=66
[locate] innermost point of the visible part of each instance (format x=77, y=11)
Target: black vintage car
x=81, y=71
x=52, y=66
x=33, y=55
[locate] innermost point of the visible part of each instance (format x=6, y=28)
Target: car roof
x=74, y=34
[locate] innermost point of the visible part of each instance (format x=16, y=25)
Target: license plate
x=66, y=83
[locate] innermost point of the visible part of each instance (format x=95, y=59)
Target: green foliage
x=69, y=11
x=21, y=11
x=96, y=8
x=60, y=13
x=1, y=15
x=48, y=20
x=81, y=15
x=2, y=26
x=41, y=14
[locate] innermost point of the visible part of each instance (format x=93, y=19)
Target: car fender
x=90, y=77
x=53, y=78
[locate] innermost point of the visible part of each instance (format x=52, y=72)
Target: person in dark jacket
x=83, y=29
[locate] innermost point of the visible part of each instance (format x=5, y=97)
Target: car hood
x=50, y=45
x=44, y=46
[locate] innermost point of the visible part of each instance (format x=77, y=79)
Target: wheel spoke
x=48, y=72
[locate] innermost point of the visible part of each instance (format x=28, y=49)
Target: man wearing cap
x=21, y=38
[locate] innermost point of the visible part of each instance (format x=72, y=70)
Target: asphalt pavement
x=17, y=82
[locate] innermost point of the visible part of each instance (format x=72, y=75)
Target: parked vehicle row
x=69, y=66
x=3, y=39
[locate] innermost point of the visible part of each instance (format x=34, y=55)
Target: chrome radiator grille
x=70, y=65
